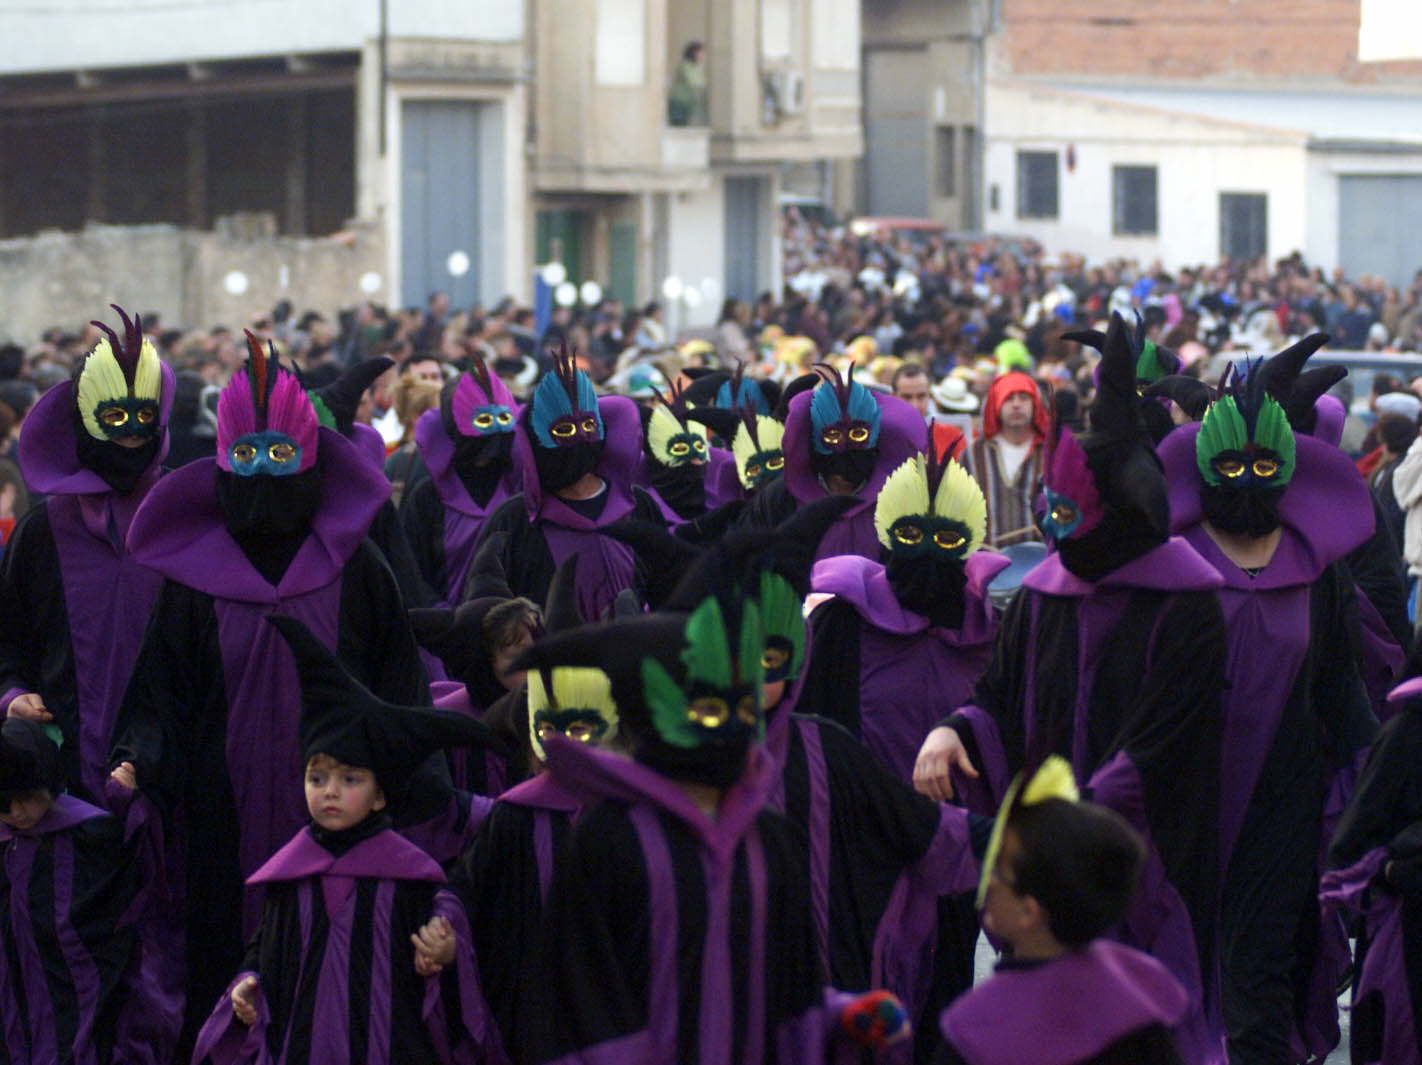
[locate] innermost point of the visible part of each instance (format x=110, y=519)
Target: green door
x=559, y=238
x=622, y=278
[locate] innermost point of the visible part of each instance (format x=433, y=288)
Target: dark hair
x=1397, y=431
x=1080, y=861
x=689, y=52
x=908, y=369
x=506, y=622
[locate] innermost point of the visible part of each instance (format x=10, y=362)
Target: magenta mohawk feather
x=262, y=397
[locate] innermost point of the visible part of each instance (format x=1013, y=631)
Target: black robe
x=388, y=535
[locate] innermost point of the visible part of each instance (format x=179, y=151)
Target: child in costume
x=1058, y=874
x=72, y=984
x=330, y=975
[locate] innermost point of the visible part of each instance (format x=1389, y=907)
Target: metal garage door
x=745, y=199
x=440, y=171
x=896, y=132
x=1379, y=216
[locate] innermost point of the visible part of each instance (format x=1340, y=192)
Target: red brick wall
x=1235, y=40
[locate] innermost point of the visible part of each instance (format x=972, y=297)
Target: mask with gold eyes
x=268, y=453
x=844, y=415
x=1246, y=469
x=121, y=418
x=925, y=536
x=490, y=420
x=575, y=429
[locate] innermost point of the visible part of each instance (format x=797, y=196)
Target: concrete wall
x=1196, y=161
x=93, y=34
x=696, y=251
x=65, y=279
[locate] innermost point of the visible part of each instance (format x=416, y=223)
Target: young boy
x=1058, y=875
x=331, y=975
x=71, y=893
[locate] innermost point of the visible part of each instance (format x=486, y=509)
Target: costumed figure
x=578, y=455
x=1276, y=514
x=899, y=645
x=74, y=602
x=1153, y=364
x=276, y=523
x=1113, y=656
x=726, y=394
x=467, y=444
x=840, y=439
x=674, y=467
x=330, y=974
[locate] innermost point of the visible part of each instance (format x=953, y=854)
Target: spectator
x=686, y=102
x=1007, y=460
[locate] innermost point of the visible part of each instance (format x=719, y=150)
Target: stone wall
x=65, y=279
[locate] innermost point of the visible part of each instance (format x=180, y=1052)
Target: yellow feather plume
x=960, y=498
x=769, y=434
x=904, y=493
x=101, y=381
x=148, y=378
x=574, y=688
x=663, y=427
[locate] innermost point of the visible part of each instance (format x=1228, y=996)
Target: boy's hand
x=434, y=947
x=876, y=1019
x=244, y=1001
x=125, y=776
x=29, y=706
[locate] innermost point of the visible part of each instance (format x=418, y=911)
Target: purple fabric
x=983, y=794
x=911, y=675
x=1325, y=482
x=546, y=797
x=369, y=443
x=474, y=1012
x=1124, y=989
x=1408, y=689
x=1158, y=921
x=226, y=1041
x=903, y=433
x=723, y=481
x=1174, y=566
x=463, y=518
x=819, y=832
x=605, y=566
x=451, y=695
x=49, y=458
x=1382, y=659
x=108, y=596
x=179, y=529
x=662, y=990
x=385, y=856
x=447, y=835
x=1352, y=892
x=907, y=934
x=1330, y=416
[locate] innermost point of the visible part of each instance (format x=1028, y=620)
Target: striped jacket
x=1009, y=503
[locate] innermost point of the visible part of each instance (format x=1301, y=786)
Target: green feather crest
x=323, y=412
x=782, y=615
x=1222, y=429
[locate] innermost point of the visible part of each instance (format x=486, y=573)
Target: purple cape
x=369, y=442
x=1067, y=1010
x=605, y=566
x=463, y=518
x=902, y=434
x=723, y=481
x=911, y=674
x=384, y=856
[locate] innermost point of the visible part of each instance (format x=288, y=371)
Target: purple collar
x=66, y=812
x=179, y=530
x=384, y=856
x=369, y=442
x=864, y=584
x=543, y=792
x=1174, y=566
x=902, y=434
x=1404, y=692
x=594, y=774
x=621, y=452
x=437, y=449
x=48, y=456
x=1326, y=505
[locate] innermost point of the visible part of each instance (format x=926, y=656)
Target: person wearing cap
x=74, y=897
x=347, y=886
x=1006, y=460
x=74, y=602
x=910, y=383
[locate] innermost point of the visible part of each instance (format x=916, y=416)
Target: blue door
x=440, y=200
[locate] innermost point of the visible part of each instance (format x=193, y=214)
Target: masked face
x=266, y=423
x=269, y=452
x=564, y=410
x=844, y=418
x=1071, y=506
x=573, y=702
x=1245, y=452
x=119, y=387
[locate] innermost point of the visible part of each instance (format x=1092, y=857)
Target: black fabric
x=1151, y=1045
x=1242, y=511
x=1160, y=704
x=481, y=462
x=1378, y=570
x=683, y=488
x=338, y=841
x=120, y=467
x=172, y=725
x=526, y=559
x=595, y=950
x=36, y=653
x=559, y=467
x=1268, y=913
x=422, y=520
x=856, y=467
x=289, y=989
x=497, y=881
x=768, y=507
x=388, y=535
x=269, y=517
x=1123, y=536
x=590, y=508
x=930, y=587
x=831, y=684
x=106, y=876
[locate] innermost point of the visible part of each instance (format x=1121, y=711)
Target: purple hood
x=864, y=584
x=621, y=453
x=902, y=434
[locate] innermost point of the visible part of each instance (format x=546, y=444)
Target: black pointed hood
x=1190, y=394
x=342, y=396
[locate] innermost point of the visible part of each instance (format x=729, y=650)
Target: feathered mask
x=740, y=393
x=121, y=384
x=843, y=414
x=266, y=423
x=672, y=439
x=757, y=448
x=931, y=505
x=565, y=406
x=1245, y=438
x=573, y=701
x=481, y=404
x=1073, y=502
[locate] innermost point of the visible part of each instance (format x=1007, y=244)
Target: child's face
x=504, y=658
x=1006, y=914
x=340, y=796
x=26, y=809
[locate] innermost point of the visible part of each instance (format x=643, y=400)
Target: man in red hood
x=1007, y=459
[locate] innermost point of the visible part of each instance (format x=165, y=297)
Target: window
x=1244, y=225
x=1133, y=201
x=946, y=160
x=620, y=50
x=777, y=23
x=1036, y=184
